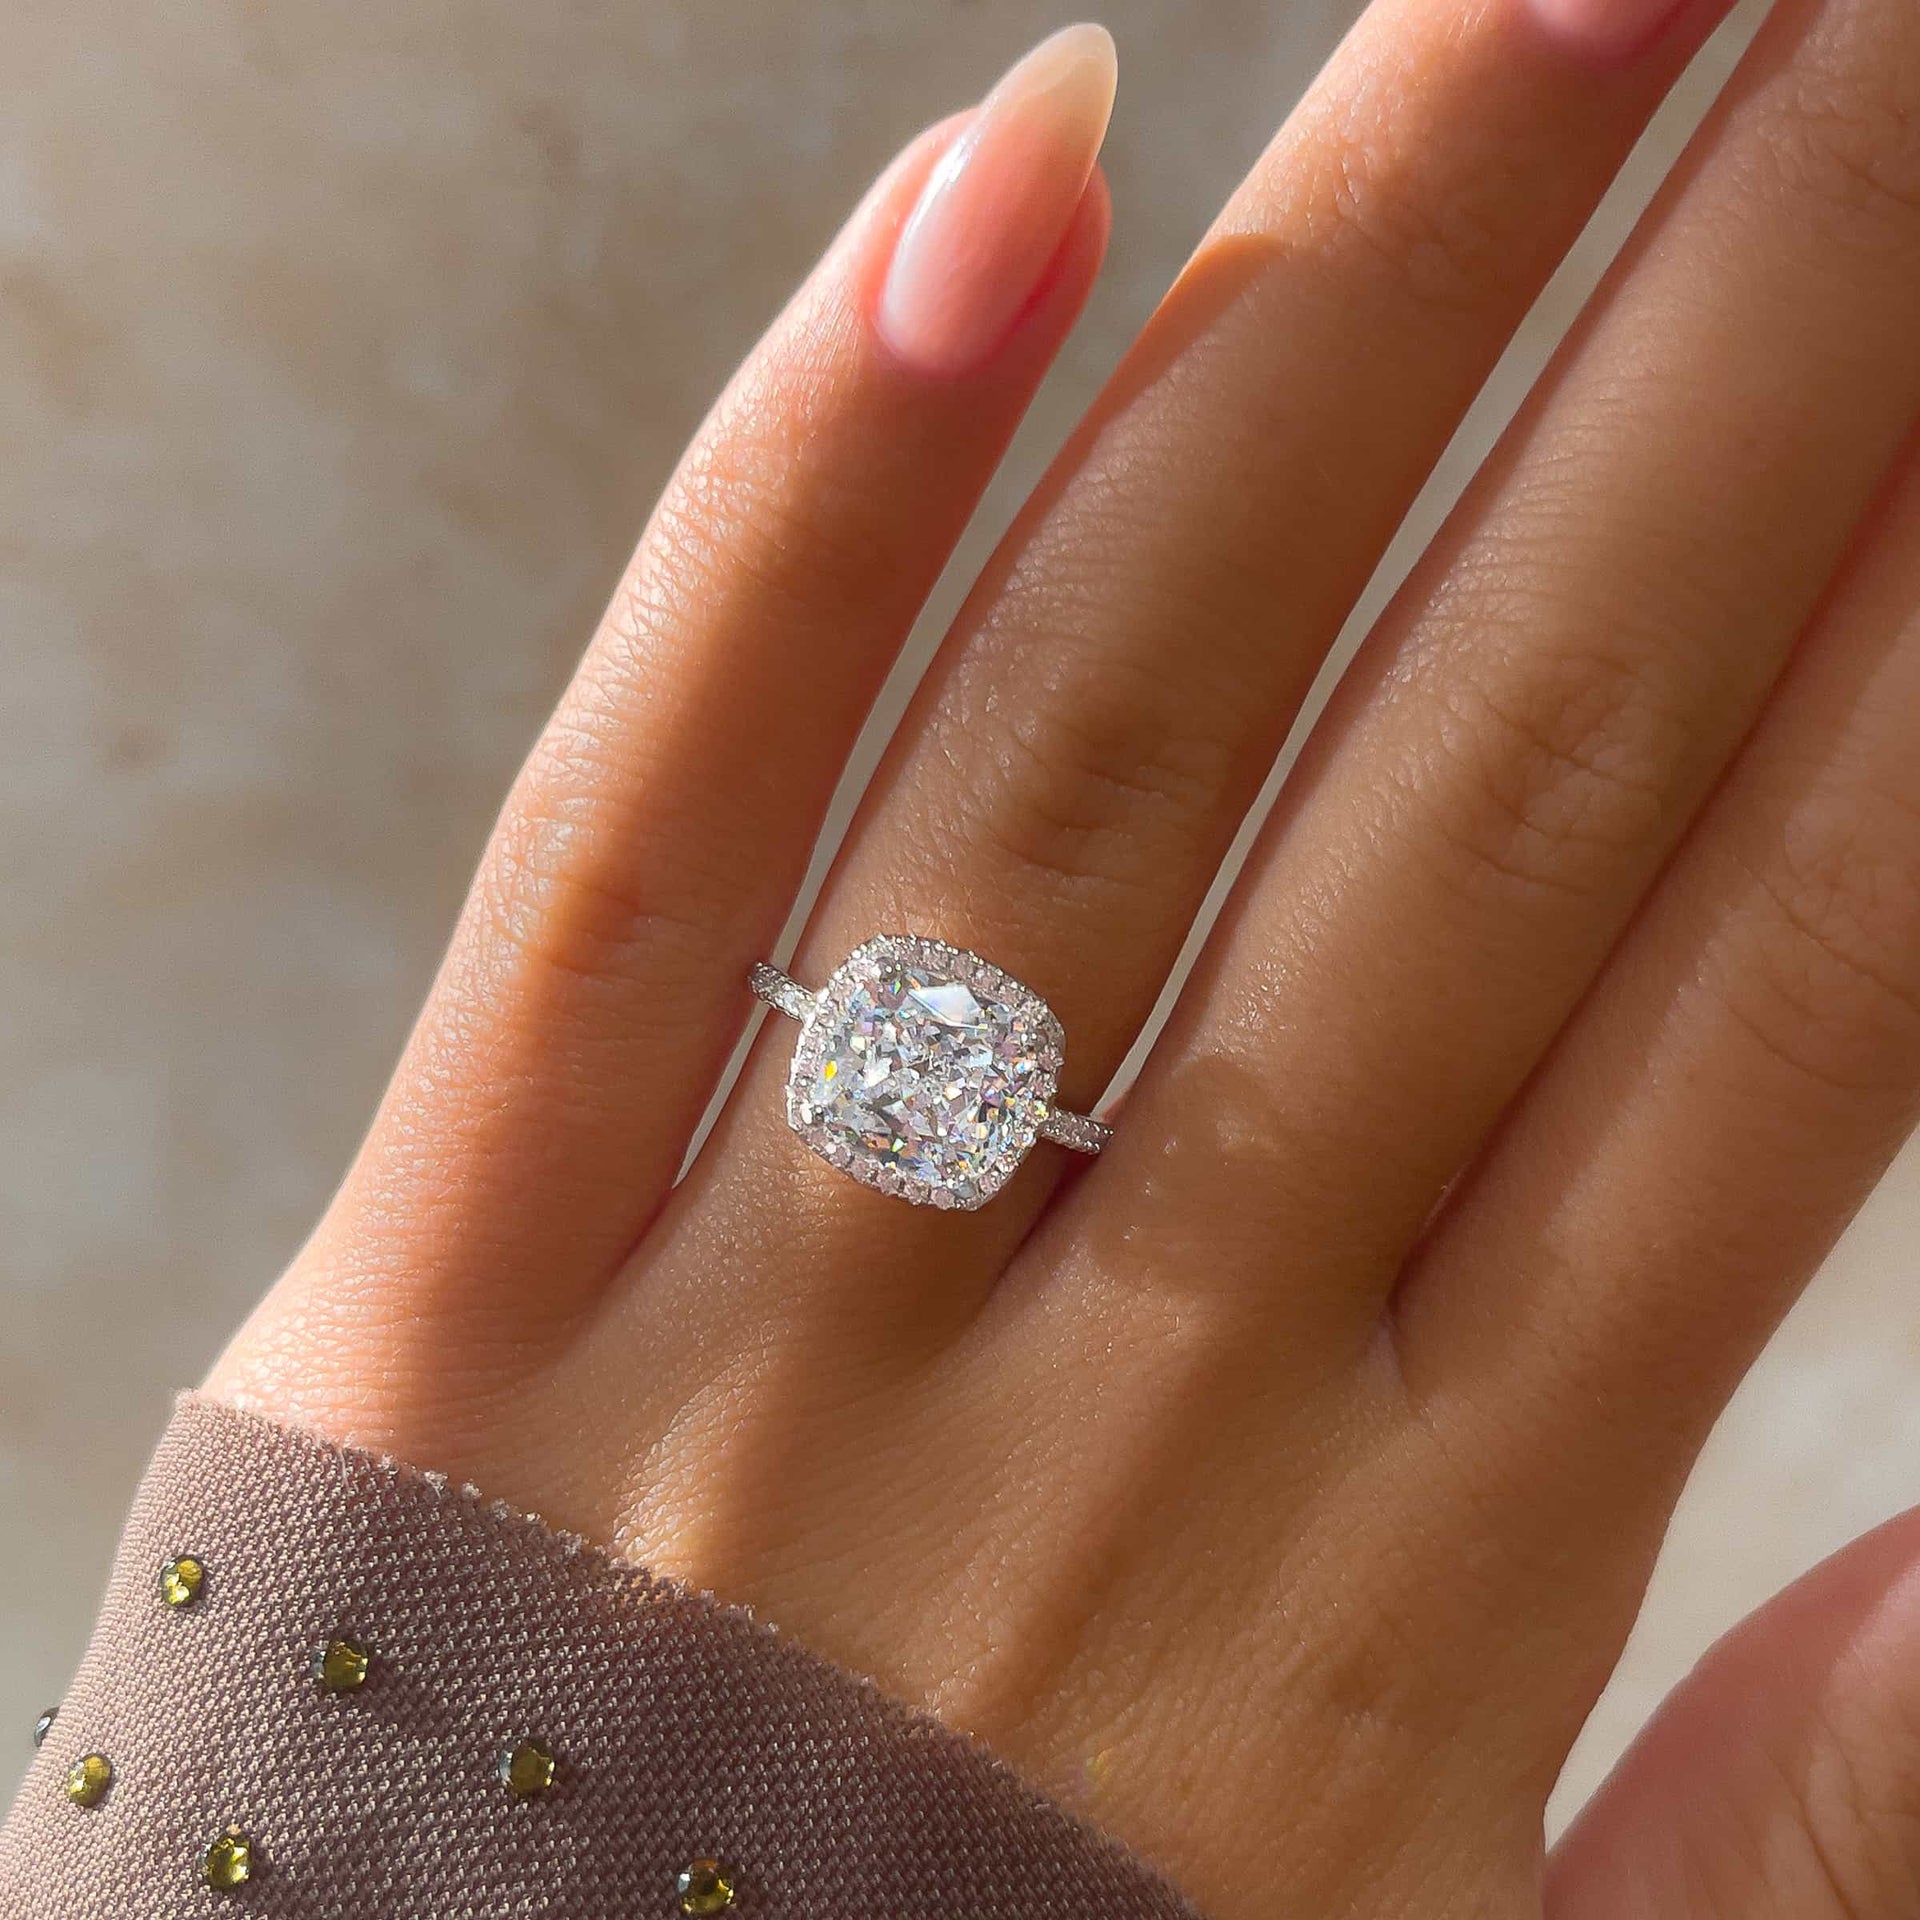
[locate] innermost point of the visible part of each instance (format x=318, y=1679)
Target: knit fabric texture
x=681, y=1730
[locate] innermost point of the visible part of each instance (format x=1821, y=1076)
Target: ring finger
x=1552, y=695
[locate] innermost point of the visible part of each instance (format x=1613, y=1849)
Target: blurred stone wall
x=342, y=349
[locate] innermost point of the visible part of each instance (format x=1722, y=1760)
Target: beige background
x=342, y=348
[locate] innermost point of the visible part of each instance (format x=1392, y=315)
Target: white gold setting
x=924, y=1070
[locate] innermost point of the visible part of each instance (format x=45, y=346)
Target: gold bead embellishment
x=341, y=1666
x=228, y=1861
x=706, y=1886
x=528, y=1769
x=88, y=1779
x=182, y=1579
x=44, y=1726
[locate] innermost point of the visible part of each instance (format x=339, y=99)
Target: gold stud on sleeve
x=528, y=1768
x=88, y=1779
x=706, y=1886
x=181, y=1580
x=228, y=1861
x=341, y=1666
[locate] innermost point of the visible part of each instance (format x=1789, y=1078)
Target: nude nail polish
x=1604, y=29
x=997, y=206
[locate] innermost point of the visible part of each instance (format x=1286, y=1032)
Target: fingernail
x=1604, y=29
x=996, y=207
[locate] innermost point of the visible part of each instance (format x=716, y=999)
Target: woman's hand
x=1277, y=1488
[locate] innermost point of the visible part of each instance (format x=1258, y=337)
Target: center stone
x=921, y=1079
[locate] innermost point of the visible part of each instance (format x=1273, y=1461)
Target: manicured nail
x=1604, y=29
x=995, y=209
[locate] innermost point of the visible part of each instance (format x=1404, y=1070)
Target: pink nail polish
x=998, y=204
x=1603, y=29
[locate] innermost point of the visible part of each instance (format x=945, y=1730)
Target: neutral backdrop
x=342, y=349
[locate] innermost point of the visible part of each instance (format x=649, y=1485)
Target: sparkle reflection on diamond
x=925, y=1071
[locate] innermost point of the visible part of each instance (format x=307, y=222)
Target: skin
x=1279, y=1488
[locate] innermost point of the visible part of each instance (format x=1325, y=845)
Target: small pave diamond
x=924, y=1071
x=1081, y=1131
x=777, y=990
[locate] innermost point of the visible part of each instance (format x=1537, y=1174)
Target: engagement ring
x=924, y=1070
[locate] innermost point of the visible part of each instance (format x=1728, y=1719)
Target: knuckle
x=1446, y=251
x=1841, y=131
x=562, y=888
x=759, y=519
x=1561, y=759
x=1101, y=794
x=734, y=521
x=1821, y=974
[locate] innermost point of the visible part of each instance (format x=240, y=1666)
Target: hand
x=1277, y=1488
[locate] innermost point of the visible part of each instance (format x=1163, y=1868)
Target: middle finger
x=1070, y=776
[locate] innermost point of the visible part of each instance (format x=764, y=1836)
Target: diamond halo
x=924, y=1070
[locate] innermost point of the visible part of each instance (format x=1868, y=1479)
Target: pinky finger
x=1719, y=1107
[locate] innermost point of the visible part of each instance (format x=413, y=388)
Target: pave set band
x=924, y=1070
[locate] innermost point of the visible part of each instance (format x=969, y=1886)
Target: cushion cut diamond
x=924, y=1071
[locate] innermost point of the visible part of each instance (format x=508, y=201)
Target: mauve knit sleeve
x=698, y=1763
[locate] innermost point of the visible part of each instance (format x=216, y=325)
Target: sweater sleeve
x=324, y=1685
